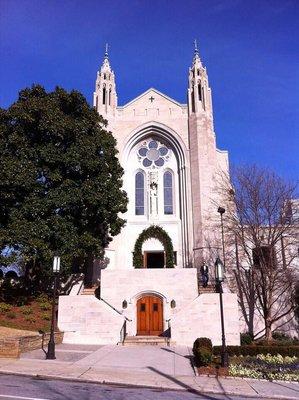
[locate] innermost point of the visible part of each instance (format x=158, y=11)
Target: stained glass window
x=168, y=192
x=139, y=193
x=153, y=154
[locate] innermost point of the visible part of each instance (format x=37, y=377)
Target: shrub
x=11, y=315
x=203, y=357
x=4, y=307
x=246, y=338
x=203, y=342
x=278, y=335
x=253, y=350
x=202, y=350
x=21, y=301
x=45, y=306
x=46, y=317
x=30, y=318
x=26, y=310
x=42, y=298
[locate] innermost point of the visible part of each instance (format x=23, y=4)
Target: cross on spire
x=195, y=46
x=106, y=50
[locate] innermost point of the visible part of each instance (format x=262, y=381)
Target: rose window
x=153, y=154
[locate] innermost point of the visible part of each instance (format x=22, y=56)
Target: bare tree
x=264, y=235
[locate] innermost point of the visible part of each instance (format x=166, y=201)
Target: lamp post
x=51, y=345
x=221, y=211
x=219, y=276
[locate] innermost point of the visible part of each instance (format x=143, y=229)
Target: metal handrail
x=169, y=331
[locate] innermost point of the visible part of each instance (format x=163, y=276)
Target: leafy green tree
x=60, y=179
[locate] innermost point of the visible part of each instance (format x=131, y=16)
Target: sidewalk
x=146, y=366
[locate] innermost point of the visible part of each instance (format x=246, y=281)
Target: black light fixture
x=51, y=345
x=173, y=304
x=219, y=277
x=125, y=304
x=221, y=211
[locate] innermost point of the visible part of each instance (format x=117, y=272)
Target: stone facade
x=170, y=160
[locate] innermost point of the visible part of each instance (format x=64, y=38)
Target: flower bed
x=266, y=366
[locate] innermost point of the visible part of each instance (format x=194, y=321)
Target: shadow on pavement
x=288, y=387
x=185, y=386
x=174, y=352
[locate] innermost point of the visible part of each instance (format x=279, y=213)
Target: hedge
x=250, y=350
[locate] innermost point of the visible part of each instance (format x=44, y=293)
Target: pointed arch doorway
x=150, y=315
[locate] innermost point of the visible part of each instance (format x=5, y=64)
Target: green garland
x=156, y=232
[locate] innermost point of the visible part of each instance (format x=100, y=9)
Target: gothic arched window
x=168, y=192
x=104, y=95
x=139, y=193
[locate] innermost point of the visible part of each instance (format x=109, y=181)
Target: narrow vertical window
x=203, y=98
x=199, y=91
x=168, y=192
x=192, y=101
x=97, y=103
x=104, y=95
x=139, y=193
x=109, y=96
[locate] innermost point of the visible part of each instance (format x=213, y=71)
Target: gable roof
x=158, y=93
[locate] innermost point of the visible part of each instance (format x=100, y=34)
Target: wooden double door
x=150, y=316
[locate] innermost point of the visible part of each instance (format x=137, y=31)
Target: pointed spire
x=106, y=52
x=196, y=52
x=106, y=64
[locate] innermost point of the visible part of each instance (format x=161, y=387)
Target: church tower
x=203, y=157
x=104, y=97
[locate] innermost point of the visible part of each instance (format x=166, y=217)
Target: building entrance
x=154, y=259
x=150, y=316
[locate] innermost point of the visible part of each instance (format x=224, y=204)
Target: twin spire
x=195, y=56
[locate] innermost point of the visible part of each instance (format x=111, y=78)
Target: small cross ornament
x=151, y=99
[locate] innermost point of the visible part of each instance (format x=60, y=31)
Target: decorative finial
x=106, y=51
x=195, y=48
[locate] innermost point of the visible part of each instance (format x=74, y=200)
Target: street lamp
x=51, y=345
x=221, y=211
x=219, y=276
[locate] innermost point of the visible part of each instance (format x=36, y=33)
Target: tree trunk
x=268, y=331
x=89, y=278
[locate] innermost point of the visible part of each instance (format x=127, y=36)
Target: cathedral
x=149, y=283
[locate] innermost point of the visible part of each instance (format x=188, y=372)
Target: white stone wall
x=86, y=320
x=201, y=318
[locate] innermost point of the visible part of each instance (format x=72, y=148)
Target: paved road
x=24, y=388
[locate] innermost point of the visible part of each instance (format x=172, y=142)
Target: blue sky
x=250, y=49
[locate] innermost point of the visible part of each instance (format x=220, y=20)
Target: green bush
x=46, y=317
x=42, y=298
x=246, y=338
x=203, y=342
x=4, y=307
x=21, y=300
x=281, y=336
x=11, y=315
x=202, y=350
x=253, y=350
x=45, y=306
x=30, y=318
x=26, y=310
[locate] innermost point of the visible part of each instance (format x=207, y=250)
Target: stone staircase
x=89, y=291
x=208, y=289
x=145, y=341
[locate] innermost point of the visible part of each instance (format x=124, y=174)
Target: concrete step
x=208, y=289
x=145, y=341
x=89, y=291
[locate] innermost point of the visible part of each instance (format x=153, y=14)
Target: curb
x=145, y=386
